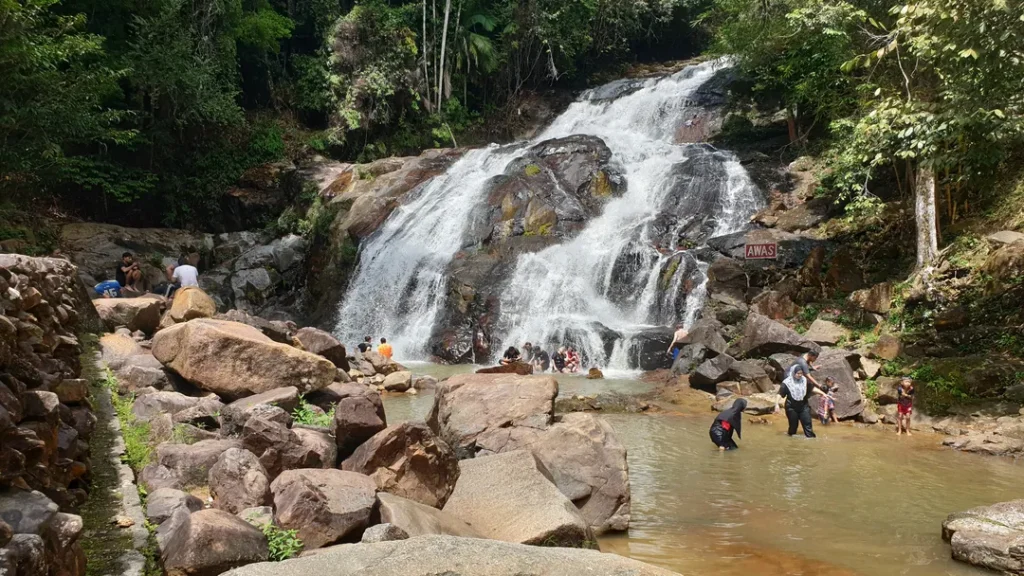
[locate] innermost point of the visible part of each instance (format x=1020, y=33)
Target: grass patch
x=137, y=448
x=284, y=544
x=532, y=170
x=309, y=415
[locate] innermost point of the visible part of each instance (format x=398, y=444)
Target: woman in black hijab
x=729, y=421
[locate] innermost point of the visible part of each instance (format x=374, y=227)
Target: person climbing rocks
x=729, y=421
x=904, y=405
x=128, y=273
x=558, y=359
x=797, y=388
x=366, y=345
x=511, y=356
x=678, y=341
x=385, y=349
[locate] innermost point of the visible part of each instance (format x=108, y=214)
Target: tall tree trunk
x=444, y=42
x=791, y=124
x=925, y=217
x=425, y=56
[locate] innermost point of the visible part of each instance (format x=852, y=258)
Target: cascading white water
x=571, y=291
x=562, y=293
x=399, y=286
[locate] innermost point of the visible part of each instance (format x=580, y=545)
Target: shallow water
x=853, y=502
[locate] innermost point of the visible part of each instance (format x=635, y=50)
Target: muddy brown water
x=855, y=501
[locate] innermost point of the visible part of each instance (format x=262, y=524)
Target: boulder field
x=253, y=422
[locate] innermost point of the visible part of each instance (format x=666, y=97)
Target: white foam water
x=565, y=292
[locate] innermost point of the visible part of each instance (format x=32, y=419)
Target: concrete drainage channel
x=116, y=534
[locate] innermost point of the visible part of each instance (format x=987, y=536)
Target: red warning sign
x=767, y=251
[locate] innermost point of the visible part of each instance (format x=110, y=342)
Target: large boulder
x=280, y=448
x=836, y=364
x=410, y=461
x=826, y=333
x=416, y=519
x=162, y=503
x=235, y=360
x=238, y=481
x=763, y=336
x=711, y=372
x=133, y=313
x=210, y=542
x=319, y=342
x=234, y=416
x=191, y=463
x=358, y=415
x=398, y=381
x=511, y=497
x=149, y=406
x=453, y=556
x=473, y=409
x=190, y=303
x=988, y=536
x=588, y=465
x=877, y=299
x=325, y=506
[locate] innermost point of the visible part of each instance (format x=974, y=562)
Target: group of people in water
x=797, y=390
x=565, y=359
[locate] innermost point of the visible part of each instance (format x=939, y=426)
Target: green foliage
x=306, y=413
x=871, y=389
x=284, y=544
x=137, y=447
x=531, y=170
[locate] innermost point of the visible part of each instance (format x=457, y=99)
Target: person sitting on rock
x=511, y=356
x=183, y=275
x=128, y=273
x=558, y=359
x=729, y=421
x=385, y=349
x=541, y=361
x=365, y=345
x=528, y=353
x=678, y=341
x=572, y=360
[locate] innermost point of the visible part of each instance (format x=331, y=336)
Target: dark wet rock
x=520, y=368
x=408, y=460
x=835, y=364
x=763, y=337
x=149, y=406
x=711, y=372
x=280, y=448
x=191, y=463
x=358, y=415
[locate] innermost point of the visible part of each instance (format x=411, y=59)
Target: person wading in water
x=729, y=421
x=797, y=389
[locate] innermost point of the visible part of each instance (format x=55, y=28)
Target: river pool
x=853, y=502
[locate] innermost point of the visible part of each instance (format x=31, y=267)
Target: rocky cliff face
x=46, y=416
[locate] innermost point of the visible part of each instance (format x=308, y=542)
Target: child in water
x=827, y=405
x=904, y=405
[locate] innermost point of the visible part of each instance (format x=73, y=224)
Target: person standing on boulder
x=385, y=349
x=797, y=389
x=678, y=341
x=729, y=421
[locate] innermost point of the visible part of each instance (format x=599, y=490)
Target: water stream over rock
x=592, y=234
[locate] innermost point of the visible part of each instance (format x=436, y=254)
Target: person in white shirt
x=184, y=274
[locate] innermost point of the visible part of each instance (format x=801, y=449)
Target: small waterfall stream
x=625, y=271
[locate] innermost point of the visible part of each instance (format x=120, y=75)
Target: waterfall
x=632, y=268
